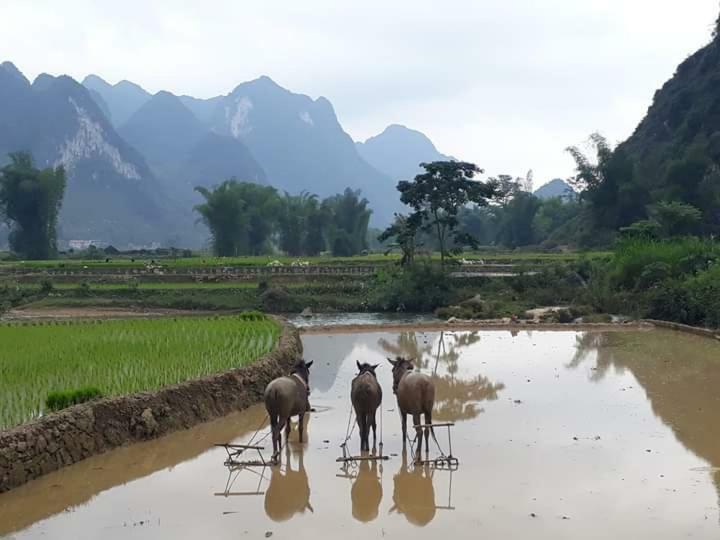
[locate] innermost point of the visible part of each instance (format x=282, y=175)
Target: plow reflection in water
x=553, y=431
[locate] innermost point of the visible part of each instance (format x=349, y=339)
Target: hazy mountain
x=122, y=99
x=216, y=158
x=163, y=129
x=203, y=109
x=398, y=151
x=300, y=144
x=111, y=195
x=555, y=188
x=183, y=152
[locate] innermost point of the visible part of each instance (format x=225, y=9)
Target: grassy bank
x=120, y=357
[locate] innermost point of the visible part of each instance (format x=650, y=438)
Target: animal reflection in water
x=366, y=492
x=288, y=493
x=414, y=493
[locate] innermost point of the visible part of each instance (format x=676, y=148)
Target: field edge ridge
x=59, y=439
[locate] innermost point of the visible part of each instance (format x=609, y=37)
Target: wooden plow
x=443, y=461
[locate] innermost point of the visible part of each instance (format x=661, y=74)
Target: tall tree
x=350, y=217
x=517, y=220
x=437, y=196
x=224, y=214
x=615, y=198
x=262, y=204
x=30, y=201
x=296, y=224
x=241, y=217
x=404, y=232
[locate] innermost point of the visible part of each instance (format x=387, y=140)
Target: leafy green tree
x=224, y=214
x=437, y=196
x=315, y=241
x=676, y=218
x=518, y=216
x=30, y=201
x=241, y=217
x=348, y=220
x=293, y=221
x=262, y=204
x=552, y=215
x=404, y=232
x=608, y=185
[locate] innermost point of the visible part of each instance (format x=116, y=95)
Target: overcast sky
x=507, y=84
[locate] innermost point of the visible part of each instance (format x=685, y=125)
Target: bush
x=46, y=287
x=681, y=256
x=61, y=400
x=277, y=299
x=421, y=287
x=252, y=316
x=83, y=289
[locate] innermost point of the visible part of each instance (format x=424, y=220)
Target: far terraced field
x=120, y=357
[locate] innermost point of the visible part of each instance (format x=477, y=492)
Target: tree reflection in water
x=679, y=373
x=455, y=398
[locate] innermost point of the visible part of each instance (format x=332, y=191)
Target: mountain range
x=133, y=158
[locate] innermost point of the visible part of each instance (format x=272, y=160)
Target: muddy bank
x=35, y=449
x=474, y=325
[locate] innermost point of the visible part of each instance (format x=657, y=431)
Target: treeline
x=622, y=196
x=511, y=217
x=30, y=200
x=250, y=219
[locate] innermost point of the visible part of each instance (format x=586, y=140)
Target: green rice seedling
x=121, y=356
x=66, y=398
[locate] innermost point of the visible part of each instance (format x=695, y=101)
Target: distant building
x=81, y=245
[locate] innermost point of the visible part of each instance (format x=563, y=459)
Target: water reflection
x=680, y=375
x=366, y=492
x=288, y=492
x=414, y=493
x=455, y=398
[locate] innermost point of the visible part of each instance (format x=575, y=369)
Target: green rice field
x=120, y=357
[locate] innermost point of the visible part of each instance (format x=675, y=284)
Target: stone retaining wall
x=71, y=435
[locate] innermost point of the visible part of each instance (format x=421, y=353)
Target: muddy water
x=559, y=434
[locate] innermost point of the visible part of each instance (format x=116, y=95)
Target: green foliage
x=240, y=215
x=120, y=357
x=30, y=201
x=437, y=197
x=243, y=218
x=647, y=229
x=348, y=223
x=419, y=288
x=56, y=401
x=676, y=218
x=301, y=223
x=403, y=233
x=518, y=215
x=679, y=257
x=46, y=286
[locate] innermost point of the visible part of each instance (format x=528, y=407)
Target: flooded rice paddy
x=559, y=435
